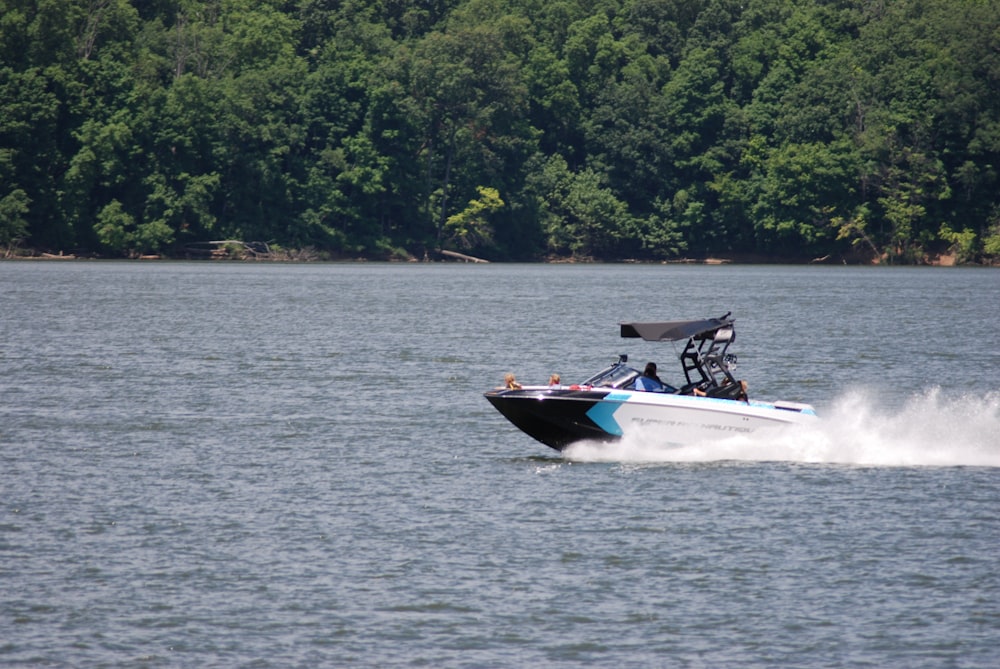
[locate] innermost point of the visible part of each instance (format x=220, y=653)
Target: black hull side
x=557, y=418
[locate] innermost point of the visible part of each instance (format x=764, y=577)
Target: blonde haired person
x=510, y=382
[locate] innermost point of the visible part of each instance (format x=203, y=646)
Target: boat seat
x=730, y=391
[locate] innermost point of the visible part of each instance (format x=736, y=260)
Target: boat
x=711, y=404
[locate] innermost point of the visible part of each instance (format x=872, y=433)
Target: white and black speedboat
x=711, y=404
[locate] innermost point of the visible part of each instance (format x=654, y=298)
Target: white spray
x=931, y=429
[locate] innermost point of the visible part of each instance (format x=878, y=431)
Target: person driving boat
x=649, y=381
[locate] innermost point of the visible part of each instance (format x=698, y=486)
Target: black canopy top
x=675, y=330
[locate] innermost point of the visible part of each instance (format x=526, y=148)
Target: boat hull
x=560, y=417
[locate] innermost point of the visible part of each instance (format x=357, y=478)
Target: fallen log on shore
x=461, y=256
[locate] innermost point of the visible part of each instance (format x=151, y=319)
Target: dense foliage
x=509, y=129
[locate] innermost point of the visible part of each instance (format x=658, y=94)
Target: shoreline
x=939, y=261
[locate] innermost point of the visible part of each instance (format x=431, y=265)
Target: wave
x=931, y=429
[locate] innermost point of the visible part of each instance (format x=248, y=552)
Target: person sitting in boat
x=555, y=381
x=728, y=390
x=742, y=396
x=649, y=381
x=510, y=382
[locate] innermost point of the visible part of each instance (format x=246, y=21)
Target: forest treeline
x=504, y=129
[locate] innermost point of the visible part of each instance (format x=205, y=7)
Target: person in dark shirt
x=649, y=381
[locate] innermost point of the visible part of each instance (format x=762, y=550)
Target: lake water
x=223, y=465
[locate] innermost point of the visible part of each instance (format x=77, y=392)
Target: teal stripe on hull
x=603, y=415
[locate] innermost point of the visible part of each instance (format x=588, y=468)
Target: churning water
x=929, y=430
x=293, y=465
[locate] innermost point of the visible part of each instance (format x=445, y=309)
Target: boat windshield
x=616, y=376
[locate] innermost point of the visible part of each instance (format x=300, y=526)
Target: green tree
x=580, y=217
x=13, y=224
x=464, y=101
x=797, y=193
x=470, y=228
x=612, y=128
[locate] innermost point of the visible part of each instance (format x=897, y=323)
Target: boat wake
x=931, y=429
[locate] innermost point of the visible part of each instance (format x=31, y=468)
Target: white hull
x=686, y=419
